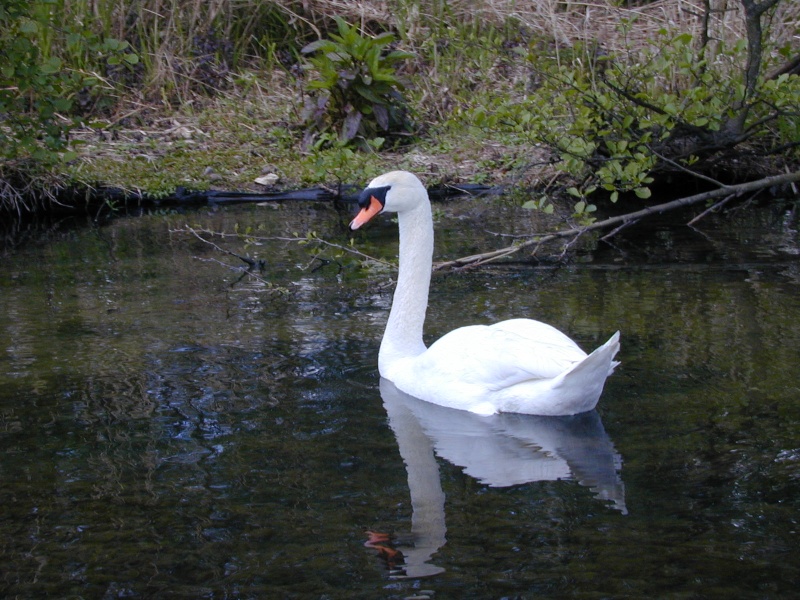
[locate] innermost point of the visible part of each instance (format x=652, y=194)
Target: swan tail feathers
x=581, y=385
x=602, y=360
x=574, y=391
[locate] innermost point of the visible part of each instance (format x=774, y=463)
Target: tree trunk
x=732, y=132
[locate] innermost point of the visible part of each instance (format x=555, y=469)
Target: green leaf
x=51, y=65
x=397, y=55
x=314, y=46
x=28, y=26
x=62, y=104
x=368, y=94
x=642, y=192
x=381, y=116
x=385, y=77
x=384, y=38
x=318, y=85
x=336, y=56
x=351, y=125
x=344, y=28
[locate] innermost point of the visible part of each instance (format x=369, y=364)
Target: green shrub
x=46, y=63
x=356, y=89
x=38, y=88
x=33, y=90
x=613, y=122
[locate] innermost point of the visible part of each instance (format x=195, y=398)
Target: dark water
x=168, y=432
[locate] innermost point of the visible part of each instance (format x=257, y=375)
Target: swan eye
x=376, y=193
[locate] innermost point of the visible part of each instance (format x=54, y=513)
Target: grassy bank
x=581, y=99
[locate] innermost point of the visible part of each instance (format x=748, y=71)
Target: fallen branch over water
x=727, y=191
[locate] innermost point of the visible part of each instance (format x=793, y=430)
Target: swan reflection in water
x=499, y=451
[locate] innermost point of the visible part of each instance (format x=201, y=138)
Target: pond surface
x=169, y=431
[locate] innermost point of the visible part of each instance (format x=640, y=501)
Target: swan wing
x=504, y=354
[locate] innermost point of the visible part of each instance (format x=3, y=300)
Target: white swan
x=519, y=365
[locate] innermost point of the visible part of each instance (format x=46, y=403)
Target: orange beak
x=366, y=213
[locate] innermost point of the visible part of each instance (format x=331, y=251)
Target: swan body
x=518, y=366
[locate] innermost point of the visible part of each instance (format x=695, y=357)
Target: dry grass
x=178, y=40
x=567, y=22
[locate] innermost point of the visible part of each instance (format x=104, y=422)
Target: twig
x=681, y=167
x=293, y=239
x=340, y=247
x=712, y=208
x=614, y=232
x=570, y=243
x=241, y=270
x=249, y=261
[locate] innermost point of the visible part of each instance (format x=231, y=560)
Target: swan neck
x=403, y=335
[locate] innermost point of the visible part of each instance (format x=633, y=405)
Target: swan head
x=396, y=191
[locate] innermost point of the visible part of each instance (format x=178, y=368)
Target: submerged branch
x=309, y=239
x=620, y=221
x=241, y=270
x=249, y=261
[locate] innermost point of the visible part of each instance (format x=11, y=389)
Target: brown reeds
x=185, y=46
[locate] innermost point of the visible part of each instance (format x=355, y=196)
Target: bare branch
x=712, y=208
x=243, y=271
x=614, y=232
x=249, y=261
x=791, y=66
x=680, y=167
